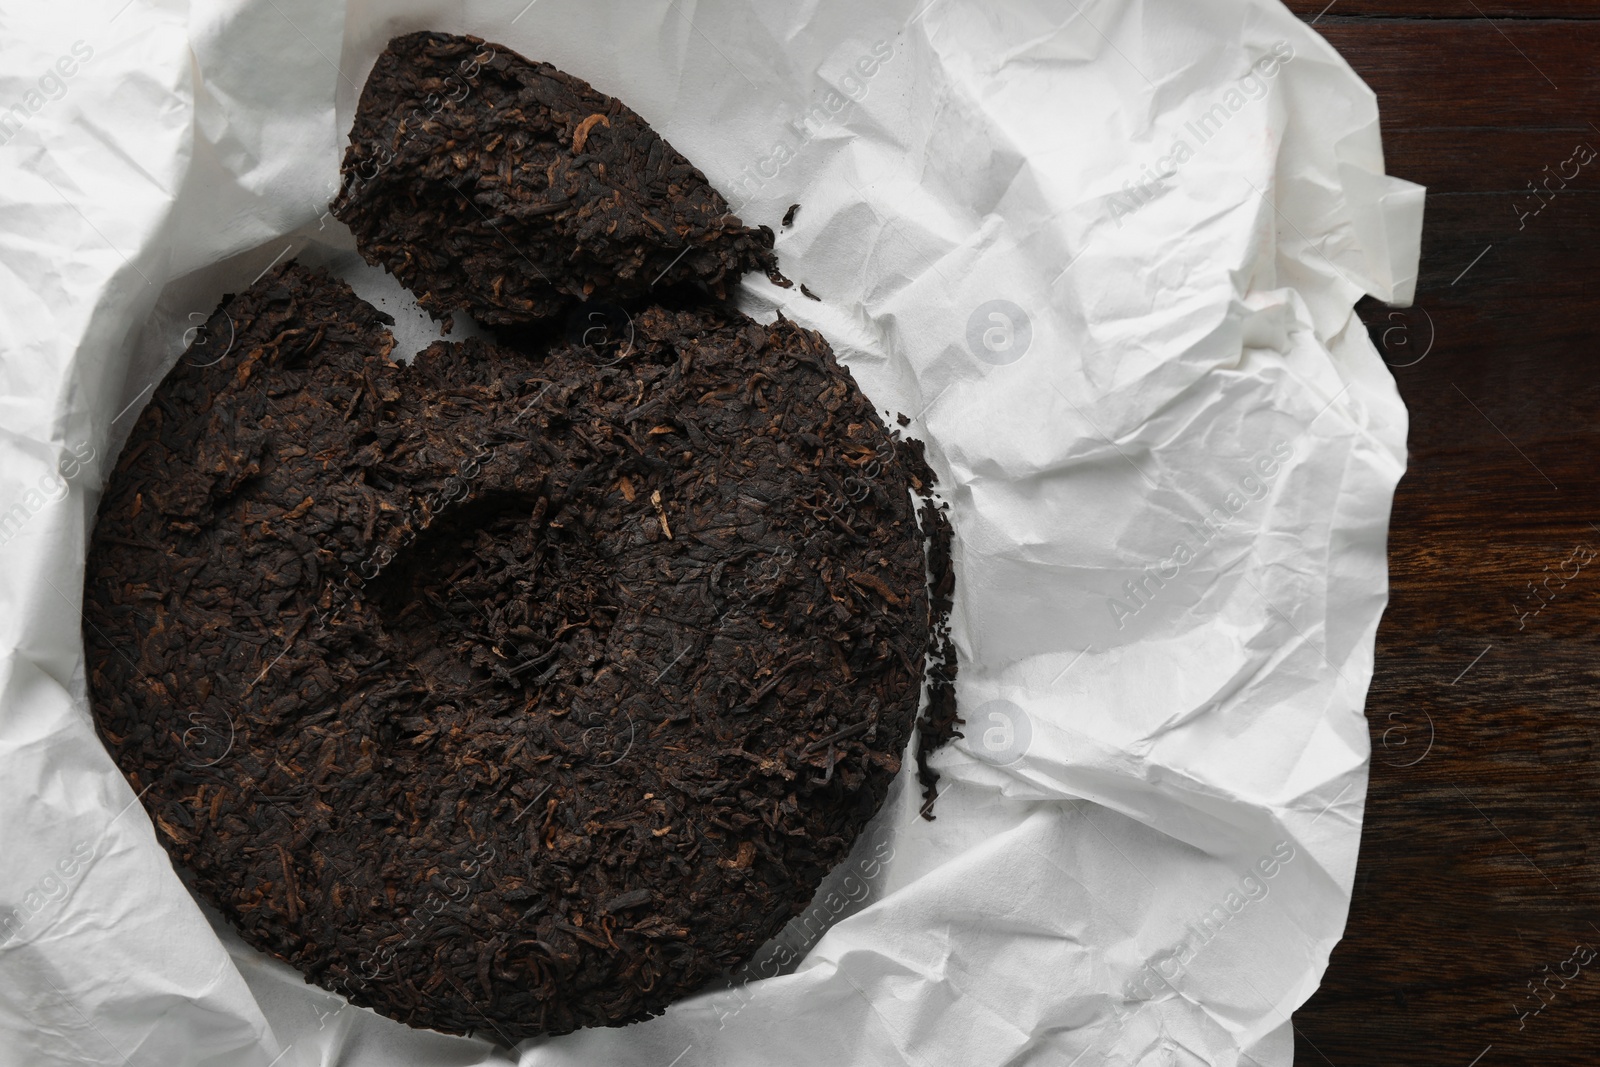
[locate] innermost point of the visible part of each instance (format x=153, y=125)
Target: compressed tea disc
x=510, y=692
x=487, y=182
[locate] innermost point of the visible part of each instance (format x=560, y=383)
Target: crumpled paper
x=1103, y=254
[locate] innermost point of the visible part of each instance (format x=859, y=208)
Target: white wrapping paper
x=1104, y=253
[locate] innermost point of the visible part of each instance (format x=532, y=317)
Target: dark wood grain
x=1478, y=872
x=1474, y=73
x=1502, y=10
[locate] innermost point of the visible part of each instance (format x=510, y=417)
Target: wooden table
x=1474, y=934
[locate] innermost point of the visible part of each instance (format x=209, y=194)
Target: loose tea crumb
x=489, y=183
x=513, y=692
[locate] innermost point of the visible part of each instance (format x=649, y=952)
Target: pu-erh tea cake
x=511, y=692
x=487, y=182
x=532, y=684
